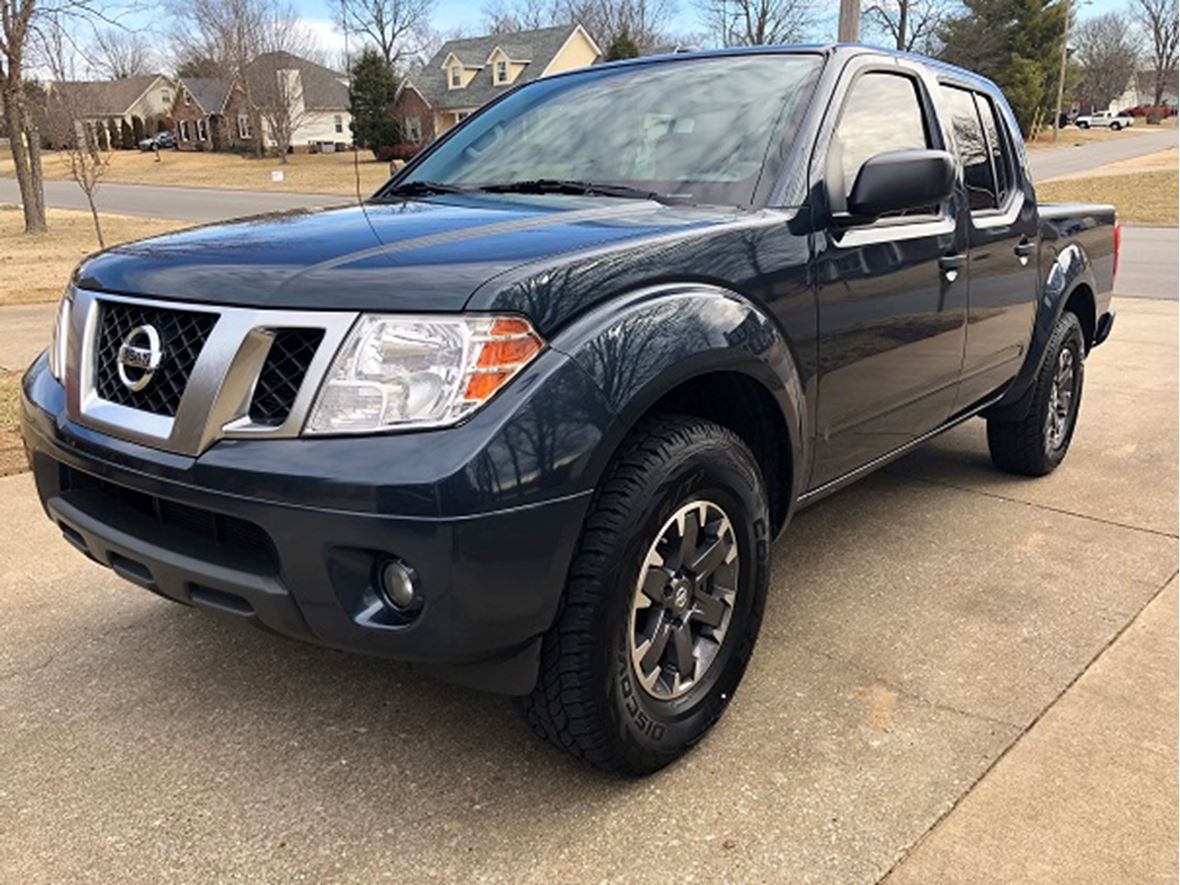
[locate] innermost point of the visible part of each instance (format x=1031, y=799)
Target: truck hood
x=428, y=255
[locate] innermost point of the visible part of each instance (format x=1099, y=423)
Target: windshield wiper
x=571, y=186
x=423, y=189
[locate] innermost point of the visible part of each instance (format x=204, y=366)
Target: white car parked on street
x=1110, y=119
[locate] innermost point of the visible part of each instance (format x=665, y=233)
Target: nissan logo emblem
x=139, y=357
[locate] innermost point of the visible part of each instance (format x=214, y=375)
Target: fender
x=1070, y=270
x=642, y=345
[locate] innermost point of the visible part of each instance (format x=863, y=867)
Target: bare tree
x=756, y=22
x=227, y=35
x=398, y=28
x=117, y=53
x=646, y=21
x=1160, y=19
x=909, y=25
x=524, y=15
x=1108, y=54
x=276, y=86
x=16, y=20
x=78, y=137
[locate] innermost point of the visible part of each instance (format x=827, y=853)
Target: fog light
x=399, y=586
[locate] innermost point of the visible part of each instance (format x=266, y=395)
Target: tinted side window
x=999, y=147
x=972, y=148
x=883, y=113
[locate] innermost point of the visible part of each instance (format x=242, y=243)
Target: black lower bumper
x=491, y=582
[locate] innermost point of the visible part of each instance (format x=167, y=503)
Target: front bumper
x=491, y=581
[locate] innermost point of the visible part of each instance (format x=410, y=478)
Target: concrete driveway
x=962, y=676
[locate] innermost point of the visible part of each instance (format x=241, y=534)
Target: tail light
x=1118, y=246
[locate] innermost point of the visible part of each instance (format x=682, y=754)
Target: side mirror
x=898, y=180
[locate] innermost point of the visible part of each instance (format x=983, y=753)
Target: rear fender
x=643, y=345
x=1070, y=270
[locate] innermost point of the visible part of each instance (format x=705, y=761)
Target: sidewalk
x=1088, y=794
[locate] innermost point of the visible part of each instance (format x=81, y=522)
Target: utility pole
x=849, y=27
x=1061, y=79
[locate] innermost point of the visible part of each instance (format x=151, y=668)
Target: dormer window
x=501, y=71
x=456, y=77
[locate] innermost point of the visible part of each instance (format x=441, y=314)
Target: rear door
x=891, y=294
x=1002, y=239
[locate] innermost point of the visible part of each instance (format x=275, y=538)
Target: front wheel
x=1036, y=444
x=663, y=603
x=1115, y=127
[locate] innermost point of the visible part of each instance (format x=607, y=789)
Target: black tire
x=1083, y=125
x=1115, y=126
x=589, y=700
x=1028, y=447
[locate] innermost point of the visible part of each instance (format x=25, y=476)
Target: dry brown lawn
x=35, y=268
x=304, y=173
x=1140, y=197
x=12, y=453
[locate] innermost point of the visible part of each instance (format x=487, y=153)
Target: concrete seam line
x=1033, y=504
x=907, y=852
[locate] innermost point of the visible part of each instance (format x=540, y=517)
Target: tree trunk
x=26, y=158
x=903, y=20
x=97, y=221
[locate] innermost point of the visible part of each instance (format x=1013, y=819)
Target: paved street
x=962, y=676
x=197, y=204
x=1052, y=162
x=211, y=204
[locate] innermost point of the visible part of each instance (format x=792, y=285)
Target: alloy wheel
x=1061, y=396
x=684, y=598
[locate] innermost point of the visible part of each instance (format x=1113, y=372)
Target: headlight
x=419, y=371
x=61, y=338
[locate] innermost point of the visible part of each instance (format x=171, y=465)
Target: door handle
x=1023, y=250
x=950, y=265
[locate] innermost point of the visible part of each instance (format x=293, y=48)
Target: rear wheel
x=1082, y=124
x=1115, y=127
x=664, y=600
x=1036, y=444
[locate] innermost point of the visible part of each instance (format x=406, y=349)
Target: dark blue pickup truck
x=531, y=416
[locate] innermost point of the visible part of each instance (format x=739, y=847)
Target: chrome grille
x=282, y=374
x=227, y=372
x=183, y=334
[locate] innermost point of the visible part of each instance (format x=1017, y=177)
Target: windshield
x=696, y=130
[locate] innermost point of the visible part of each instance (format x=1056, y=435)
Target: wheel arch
x=1069, y=285
x=705, y=351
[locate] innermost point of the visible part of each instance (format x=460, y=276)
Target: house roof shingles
x=107, y=98
x=323, y=88
x=208, y=92
x=538, y=48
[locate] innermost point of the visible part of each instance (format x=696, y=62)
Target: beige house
x=147, y=97
x=466, y=74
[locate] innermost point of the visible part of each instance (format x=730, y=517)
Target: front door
x=1001, y=304
x=892, y=293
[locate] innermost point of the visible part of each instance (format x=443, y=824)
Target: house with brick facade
x=233, y=113
x=466, y=74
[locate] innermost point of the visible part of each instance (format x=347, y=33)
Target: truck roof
x=836, y=51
